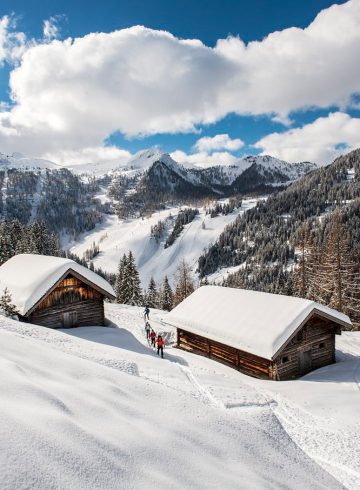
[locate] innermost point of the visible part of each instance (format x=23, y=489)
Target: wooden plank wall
x=71, y=296
x=243, y=361
x=318, y=336
x=316, y=332
x=90, y=312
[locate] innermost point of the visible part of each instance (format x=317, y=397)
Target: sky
x=207, y=81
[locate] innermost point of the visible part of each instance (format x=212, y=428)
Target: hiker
x=147, y=313
x=152, y=338
x=147, y=330
x=160, y=345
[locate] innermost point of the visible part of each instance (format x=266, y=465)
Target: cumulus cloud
x=218, y=142
x=320, y=141
x=140, y=81
x=204, y=159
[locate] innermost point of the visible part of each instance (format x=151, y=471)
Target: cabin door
x=305, y=361
x=69, y=319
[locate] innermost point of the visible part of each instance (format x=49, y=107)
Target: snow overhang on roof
x=258, y=323
x=29, y=277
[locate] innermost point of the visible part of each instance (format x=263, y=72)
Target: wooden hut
x=263, y=335
x=55, y=292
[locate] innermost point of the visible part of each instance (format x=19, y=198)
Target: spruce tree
x=152, y=295
x=6, y=305
x=120, y=285
x=166, y=296
x=131, y=283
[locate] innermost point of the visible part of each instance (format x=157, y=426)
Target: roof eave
x=78, y=276
x=314, y=311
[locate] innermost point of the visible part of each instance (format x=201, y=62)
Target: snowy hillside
x=116, y=237
x=21, y=162
x=95, y=408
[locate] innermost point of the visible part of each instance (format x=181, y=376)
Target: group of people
x=155, y=341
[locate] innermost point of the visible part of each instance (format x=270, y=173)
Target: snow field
x=94, y=407
x=153, y=259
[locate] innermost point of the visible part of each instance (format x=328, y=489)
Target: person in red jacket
x=152, y=338
x=160, y=345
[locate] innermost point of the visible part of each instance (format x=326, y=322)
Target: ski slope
x=116, y=237
x=95, y=408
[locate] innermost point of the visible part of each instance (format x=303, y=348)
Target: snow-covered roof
x=259, y=323
x=29, y=277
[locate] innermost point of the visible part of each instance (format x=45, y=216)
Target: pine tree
x=166, y=296
x=6, y=245
x=184, y=285
x=128, y=288
x=152, y=295
x=6, y=304
x=131, y=283
x=120, y=285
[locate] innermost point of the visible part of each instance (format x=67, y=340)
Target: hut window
x=321, y=345
x=284, y=359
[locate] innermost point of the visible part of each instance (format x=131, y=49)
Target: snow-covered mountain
x=268, y=169
x=153, y=178
x=19, y=161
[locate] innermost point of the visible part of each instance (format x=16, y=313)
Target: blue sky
x=258, y=124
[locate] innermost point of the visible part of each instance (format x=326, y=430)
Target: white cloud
x=100, y=154
x=203, y=159
x=12, y=43
x=320, y=141
x=218, y=142
x=51, y=28
x=140, y=81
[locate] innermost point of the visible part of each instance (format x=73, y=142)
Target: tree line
x=128, y=287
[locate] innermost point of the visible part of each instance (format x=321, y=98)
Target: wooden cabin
x=263, y=335
x=55, y=292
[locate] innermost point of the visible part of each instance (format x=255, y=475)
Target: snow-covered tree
x=127, y=285
x=6, y=304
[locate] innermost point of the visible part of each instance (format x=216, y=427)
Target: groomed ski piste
x=116, y=237
x=96, y=408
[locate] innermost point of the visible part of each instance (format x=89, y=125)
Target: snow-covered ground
x=96, y=408
x=223, y=273
x=116, y=237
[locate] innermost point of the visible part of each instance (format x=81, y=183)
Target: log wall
x=310, y=348
x=255, y=366
x=316, y=337
x=71, y=304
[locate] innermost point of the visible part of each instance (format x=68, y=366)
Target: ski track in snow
x=329, y=448
x=335, y=449
x=151, y=257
